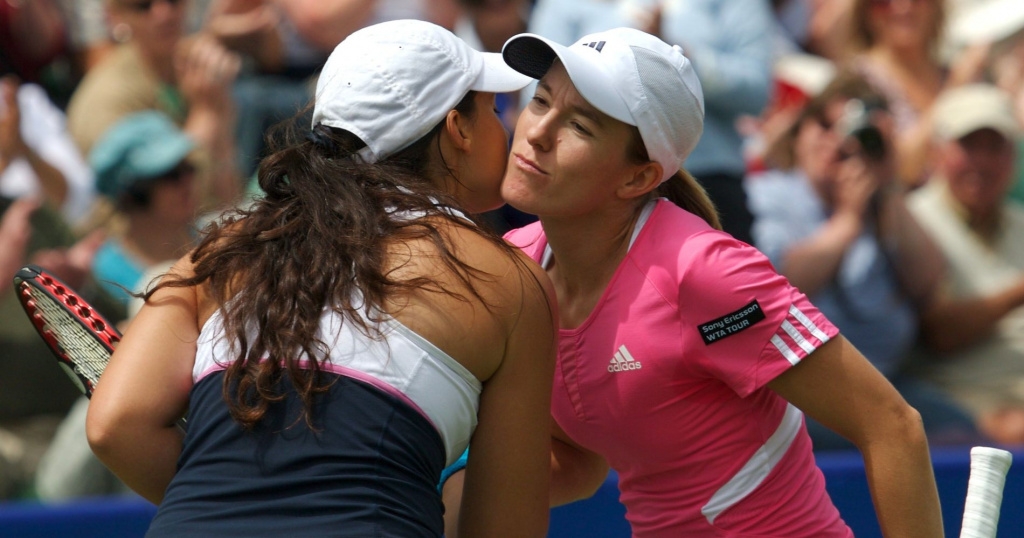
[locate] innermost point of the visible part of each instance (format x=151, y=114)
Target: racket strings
x=87, y=356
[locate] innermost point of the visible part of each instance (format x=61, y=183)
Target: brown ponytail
x=681, y=189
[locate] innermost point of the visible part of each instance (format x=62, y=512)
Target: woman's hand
x=248, y=27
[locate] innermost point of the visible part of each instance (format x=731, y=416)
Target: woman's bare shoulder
x=482, y=303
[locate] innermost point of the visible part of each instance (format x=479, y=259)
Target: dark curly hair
x=318, y=238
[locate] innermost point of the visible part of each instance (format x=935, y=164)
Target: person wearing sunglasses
x=155, y=66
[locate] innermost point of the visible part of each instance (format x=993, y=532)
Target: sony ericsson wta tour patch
x=732, y=323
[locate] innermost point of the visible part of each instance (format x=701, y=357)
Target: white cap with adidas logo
x=631, y=76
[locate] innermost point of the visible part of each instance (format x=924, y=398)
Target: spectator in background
x=155, y=67
x=142, y=164
x=833, y=220
x=565, y=21
x=975, y=327
x=818, y=27
x=35, y=43
x=88, y=32
x=487, y=24
x=91, y=36
x=43, y=185
x=37, y=155
x=275, y=81
x=1000, y=24
x=15, y=232
x=729, y=43
x=68, y=469
x=895, y=45
x=797, y=78
x=34, y=395
x=39, y=161
x=322, y=24
x=32, y=34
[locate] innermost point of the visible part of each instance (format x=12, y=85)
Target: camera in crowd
x=858, y=123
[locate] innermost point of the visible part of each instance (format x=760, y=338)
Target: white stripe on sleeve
x=784, y=348
x=808, y=324
x=797, y=337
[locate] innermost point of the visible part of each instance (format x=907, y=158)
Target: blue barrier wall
x=99, y=518
x=598, y=517
x=602, y=516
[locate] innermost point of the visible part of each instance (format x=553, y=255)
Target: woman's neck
x=915, y=60
x=915, y=71
x=986, y=225
x=586, y=252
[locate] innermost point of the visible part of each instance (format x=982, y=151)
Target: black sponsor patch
x=732, y=323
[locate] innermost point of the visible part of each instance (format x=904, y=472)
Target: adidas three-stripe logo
x=623, y=361
x=794, y=338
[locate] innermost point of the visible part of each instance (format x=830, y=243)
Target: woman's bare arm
x=838, y=387
x=144, y=391
x=506, y=479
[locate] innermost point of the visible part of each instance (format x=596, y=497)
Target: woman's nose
x=538, y=133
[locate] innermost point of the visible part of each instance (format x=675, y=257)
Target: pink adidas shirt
x=666, y=380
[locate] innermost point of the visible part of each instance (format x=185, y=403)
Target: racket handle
x=985, y=492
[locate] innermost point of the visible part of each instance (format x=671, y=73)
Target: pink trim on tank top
x=352, y=374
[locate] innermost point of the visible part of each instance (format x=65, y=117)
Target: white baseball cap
x=960, y=111
x=391, y=83
x=631, y=76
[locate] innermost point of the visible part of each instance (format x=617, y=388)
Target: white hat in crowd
x=631, y=76
x=960, y=111
x=986, y=21
x=807, y=72
x=391, y=83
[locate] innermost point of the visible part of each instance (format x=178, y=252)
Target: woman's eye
x=580, y=128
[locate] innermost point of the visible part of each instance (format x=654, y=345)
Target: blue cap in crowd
x=139, y=147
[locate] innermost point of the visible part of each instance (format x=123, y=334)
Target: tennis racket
x=985, y=492
x=80, y=337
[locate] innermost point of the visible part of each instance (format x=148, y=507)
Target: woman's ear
x=459, y=130
x=646, y=178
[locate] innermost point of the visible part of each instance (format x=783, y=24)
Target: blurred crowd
x=872, y=149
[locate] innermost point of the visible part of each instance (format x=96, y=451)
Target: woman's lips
x=528, y=165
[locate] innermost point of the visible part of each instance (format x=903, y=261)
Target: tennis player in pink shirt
x=686, y=363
